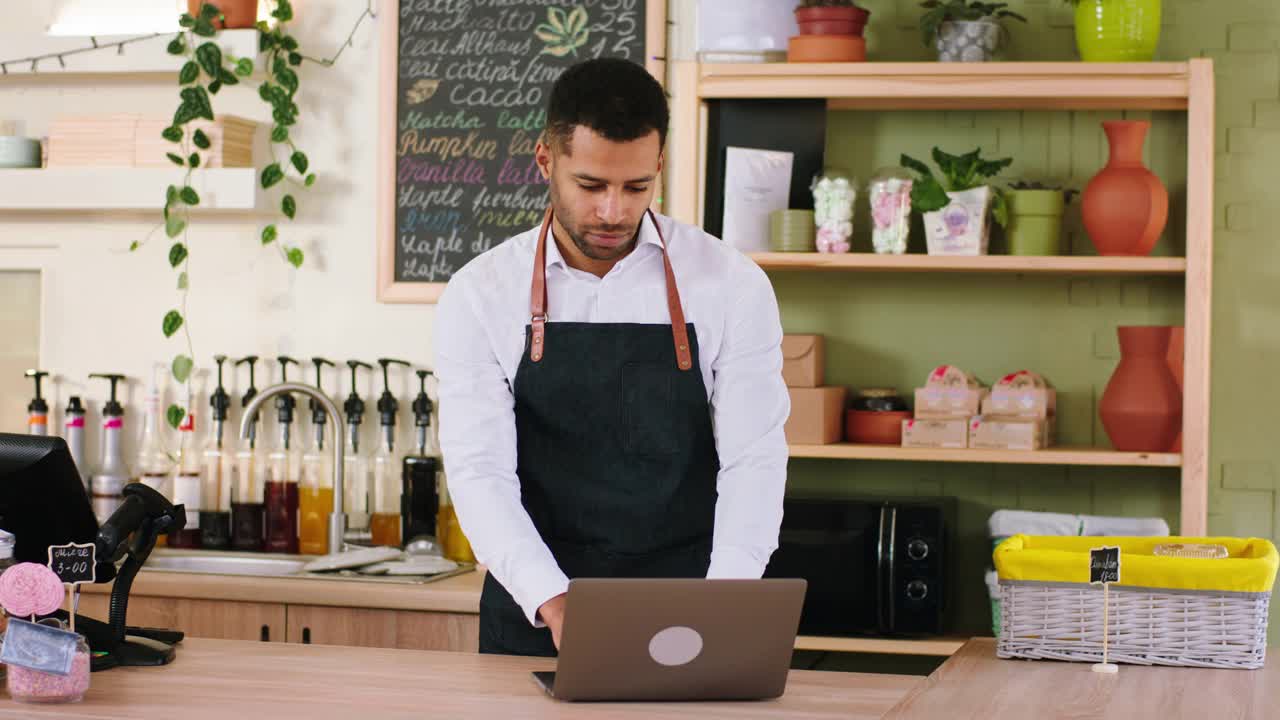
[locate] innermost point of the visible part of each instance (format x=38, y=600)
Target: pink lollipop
x=31, y=589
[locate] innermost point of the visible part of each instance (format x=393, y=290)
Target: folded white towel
x=1124, y=526
x=1004, y=523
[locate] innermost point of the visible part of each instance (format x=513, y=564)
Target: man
x=611, y=393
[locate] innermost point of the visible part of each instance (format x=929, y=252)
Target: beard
x=578, y=232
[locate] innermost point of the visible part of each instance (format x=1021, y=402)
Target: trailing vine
x=209, y=69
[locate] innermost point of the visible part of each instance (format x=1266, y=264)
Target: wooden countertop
x=974, y=683
x=218, y=679
x=460, y=593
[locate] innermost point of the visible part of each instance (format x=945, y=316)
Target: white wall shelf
x=125, y=189
x=146, y=56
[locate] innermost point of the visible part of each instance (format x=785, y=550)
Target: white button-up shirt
x=479, y=343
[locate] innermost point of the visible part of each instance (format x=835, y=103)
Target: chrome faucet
x=338, y=518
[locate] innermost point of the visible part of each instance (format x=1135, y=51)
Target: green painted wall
x=891, y=329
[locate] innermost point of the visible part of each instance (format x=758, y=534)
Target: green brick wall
x=887, y=329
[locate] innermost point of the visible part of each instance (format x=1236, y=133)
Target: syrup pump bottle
x=249, y=469
x=108, y=482
x=37, y=409
x=420, y=499
x=74, y=435
x=187, y=490
x=315, y=487
x=216, y=473
x=384, y=524
x=355, y=471
x=281, y=490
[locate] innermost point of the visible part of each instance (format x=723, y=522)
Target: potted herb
x=964, y=30
x=1035, y=217
x=1117, y=30
x=831, y=17
x=956, y=208
x=830, y=31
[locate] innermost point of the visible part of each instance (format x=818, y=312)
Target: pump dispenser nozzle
x=422, y=409
x=354, y=406
x=285, y=403
x=249, y=395
x=219, y=401
x=388, y=406
x=318, y=415
x=112, y=408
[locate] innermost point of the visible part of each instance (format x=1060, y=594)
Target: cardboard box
x=230, y=142
x=803, y=360
x=1023, y=394
x=817, y=416
x=995, y=433
x=949, y=394
x=930, y=433
x=133, y=140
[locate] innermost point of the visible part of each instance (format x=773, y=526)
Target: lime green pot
x=1117, y=30
x=1035, y=222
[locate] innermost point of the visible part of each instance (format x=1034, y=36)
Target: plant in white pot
x=956, y=209
x=965, y=30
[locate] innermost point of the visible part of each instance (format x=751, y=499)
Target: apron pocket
x=646, y=410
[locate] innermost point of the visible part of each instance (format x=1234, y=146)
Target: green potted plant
x=1035, y=217
x=964, y=30
x=956, y=209
x=1117, y=30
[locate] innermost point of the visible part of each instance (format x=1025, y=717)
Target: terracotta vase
x=238, y=13
x=1125, y=206
x=1141, y=408
x=1177, y=351
x=832, y=20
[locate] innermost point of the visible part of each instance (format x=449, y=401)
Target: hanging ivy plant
x=208, y=70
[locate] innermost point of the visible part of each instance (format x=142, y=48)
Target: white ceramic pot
x=968, y=40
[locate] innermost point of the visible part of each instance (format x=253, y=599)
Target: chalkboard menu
x=464, y=101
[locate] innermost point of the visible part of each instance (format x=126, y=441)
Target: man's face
x=600, y=189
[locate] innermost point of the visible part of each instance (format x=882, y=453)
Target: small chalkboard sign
x=39, y=647
x=1104, y=565
x=75, y=563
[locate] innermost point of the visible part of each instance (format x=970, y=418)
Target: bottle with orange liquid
x=384, y=524
x=315, y=489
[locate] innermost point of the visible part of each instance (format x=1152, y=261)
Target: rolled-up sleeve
x=478, y=441
x=750, y=405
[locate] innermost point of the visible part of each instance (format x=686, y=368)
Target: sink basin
x=224, y=563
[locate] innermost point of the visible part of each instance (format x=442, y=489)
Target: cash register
x=44, y=503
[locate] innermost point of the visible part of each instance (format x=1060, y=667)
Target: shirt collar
x=648, y=236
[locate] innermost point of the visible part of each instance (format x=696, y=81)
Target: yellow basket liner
x=1250, y=565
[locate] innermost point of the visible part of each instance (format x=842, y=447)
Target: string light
x=61, y=57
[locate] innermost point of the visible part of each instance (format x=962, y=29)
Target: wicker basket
x=1165, y=610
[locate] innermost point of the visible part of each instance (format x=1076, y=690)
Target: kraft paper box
x=949, y=393
x=817, y=416
x=926, y=433
x=1023, y=394
x=803, y=360
x=993, y=433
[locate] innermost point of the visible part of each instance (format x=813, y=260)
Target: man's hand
x=552, y=613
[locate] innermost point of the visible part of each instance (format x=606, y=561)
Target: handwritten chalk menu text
x=474, y=77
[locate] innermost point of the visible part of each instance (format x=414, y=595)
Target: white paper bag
x=963, y=227
x=756, y=182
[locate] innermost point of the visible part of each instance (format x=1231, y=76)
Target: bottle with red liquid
x=247, y=479
x=280, y=495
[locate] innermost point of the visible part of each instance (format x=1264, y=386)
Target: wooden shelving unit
x=1181, y=86
x=1013, y=264
x=1048, y=456
x=123, y=189
x=938, y=647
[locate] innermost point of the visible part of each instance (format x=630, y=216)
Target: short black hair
x=616, y=98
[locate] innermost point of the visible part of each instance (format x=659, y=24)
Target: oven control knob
x=917, y=589
x=917, y=549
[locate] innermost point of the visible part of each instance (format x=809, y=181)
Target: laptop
x=675, y=639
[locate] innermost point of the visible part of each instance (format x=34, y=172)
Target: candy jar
x=37, y=686
x=834, y=193
x=889, y=193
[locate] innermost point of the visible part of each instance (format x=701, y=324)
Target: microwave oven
x=873, y=566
